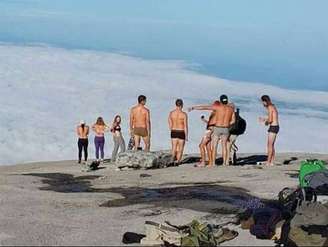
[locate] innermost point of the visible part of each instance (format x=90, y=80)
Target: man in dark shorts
x=178, y=124
x=272, y=120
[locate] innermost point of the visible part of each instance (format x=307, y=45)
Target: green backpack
x=308, y=167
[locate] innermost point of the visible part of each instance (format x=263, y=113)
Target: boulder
x=144, y=160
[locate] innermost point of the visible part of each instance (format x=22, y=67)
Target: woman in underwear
x=205, y=144
x=119, y=143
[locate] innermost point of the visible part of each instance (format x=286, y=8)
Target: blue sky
x=279, y=42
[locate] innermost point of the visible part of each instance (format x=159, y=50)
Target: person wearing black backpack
x=237, y=129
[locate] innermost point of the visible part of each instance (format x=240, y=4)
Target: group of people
x=100, y=128
x=223, y=116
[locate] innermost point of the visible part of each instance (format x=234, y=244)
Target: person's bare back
x=178, y=124
x=140, y=126
x=223, y=115
x=140, y=116
x=178, y=120
x=82, y=132
x=99, y=129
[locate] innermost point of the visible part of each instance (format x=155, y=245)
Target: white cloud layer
x=45, y=91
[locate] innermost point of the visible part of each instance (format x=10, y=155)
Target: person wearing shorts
x=225, y=117
x=272, y=120
x=178, y=125
x=140, y=126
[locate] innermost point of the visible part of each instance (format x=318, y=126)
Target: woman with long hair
x=82, y=131
x=100, y=128
x=205, y=144
x=119, y=143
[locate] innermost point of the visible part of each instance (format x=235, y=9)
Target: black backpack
x=239, y=127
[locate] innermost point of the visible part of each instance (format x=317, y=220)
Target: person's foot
x=200, y=164
x=79, y=162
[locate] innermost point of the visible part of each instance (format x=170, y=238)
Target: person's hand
x=262, y=119
x=190, y=109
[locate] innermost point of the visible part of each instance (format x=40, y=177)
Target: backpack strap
x=283, y=241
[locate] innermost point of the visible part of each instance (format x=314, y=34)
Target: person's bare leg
x=136, y=142
x=215, y=143
x=224, y=140
x=228, y=154
x=147, y=143
x=180, y=149
x=271, y=149
x=202, y=152
x=174, y=149
x=209, y=150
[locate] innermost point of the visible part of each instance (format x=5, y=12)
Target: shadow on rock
x=65, y=183
x=251, y=160
x=212, y=198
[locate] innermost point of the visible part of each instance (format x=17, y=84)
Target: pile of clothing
x=194, y=234
x=301, y=219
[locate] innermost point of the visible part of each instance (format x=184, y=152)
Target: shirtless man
x=178, y=124
x=140, y=127
x=273, y=122
x=82, y=131
x=224, y=118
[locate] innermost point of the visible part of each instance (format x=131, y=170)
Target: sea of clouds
x=45, y=91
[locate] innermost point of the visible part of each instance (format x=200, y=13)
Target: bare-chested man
x=82, y=131
x=273, y=122
x=178, y=124
x=140, y=127
x=224, y=118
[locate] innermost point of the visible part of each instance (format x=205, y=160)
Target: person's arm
x=77, y=130
x=170, y=121
x=201, y=108
x=186, y=126
x=94, y=127
x=148, y=123
x=131, y=122
x=233, y=118
x=87, y=130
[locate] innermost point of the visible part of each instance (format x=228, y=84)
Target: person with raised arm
x=82, y=131
x=224, y=118
x=100, y=128
x=205, y=144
